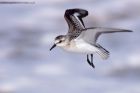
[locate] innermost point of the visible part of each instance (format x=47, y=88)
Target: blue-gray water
x=27, y=32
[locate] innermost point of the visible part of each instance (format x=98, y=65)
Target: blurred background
x=27, y=32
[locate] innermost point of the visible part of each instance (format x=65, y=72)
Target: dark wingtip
x=82, y=12
x=128, y=30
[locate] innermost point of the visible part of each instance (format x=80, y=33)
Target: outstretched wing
x=74, y=21
x=91, y=35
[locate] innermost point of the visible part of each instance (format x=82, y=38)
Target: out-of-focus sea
x=27, y=31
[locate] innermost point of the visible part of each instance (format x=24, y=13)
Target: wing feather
x=91, y=34
x=74, y=20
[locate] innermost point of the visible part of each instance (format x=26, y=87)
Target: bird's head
x=59, y=41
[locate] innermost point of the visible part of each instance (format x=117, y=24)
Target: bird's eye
x=60, y=41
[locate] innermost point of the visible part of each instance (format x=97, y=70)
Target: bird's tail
x=103, y=53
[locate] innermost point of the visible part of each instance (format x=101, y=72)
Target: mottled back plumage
x=75, y=22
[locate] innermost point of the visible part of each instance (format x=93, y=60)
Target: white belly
x=81, y=46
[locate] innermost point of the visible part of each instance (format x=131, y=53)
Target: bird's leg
x=90, y=62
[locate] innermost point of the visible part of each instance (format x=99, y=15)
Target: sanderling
x=82, y=39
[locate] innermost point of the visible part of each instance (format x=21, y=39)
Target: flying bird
x=83, y=39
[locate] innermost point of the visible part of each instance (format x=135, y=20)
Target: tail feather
x=103, y=53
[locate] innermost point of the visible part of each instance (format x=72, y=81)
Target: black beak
x=53, y=47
